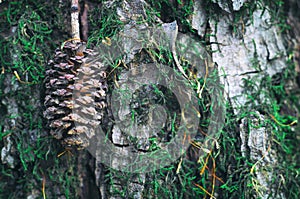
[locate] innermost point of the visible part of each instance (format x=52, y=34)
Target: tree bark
x=255, y=155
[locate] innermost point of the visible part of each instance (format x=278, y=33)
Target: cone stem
x=74, y=19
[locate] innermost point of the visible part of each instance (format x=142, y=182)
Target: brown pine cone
x=75, y=97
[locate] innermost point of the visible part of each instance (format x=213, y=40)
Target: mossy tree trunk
x=255, y=46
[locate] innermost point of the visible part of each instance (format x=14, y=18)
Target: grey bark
x=234, y=55
x=75, y=19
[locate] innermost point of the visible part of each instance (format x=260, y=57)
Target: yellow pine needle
x=195, y=144
x=200, y=90
x=107, y=41
x=211, y=196
x=43, y=187
x=73, y=39
x=19, y=79
x=213, y=174
x=179, y=166
x=180, y=163
x=62, y=153
x=290, y=124
x=252, y=168
x=205, y=163
x=65, y=151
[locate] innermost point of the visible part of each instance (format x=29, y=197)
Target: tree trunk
x=251, y=52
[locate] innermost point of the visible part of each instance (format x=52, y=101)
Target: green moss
x=169, y=11
x=27, y=38
x=103, y=22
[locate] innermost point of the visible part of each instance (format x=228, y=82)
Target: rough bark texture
x=75, y=19
x=235, y=54
x=258, y=62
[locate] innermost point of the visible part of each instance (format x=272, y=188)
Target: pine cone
x=75, y=98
